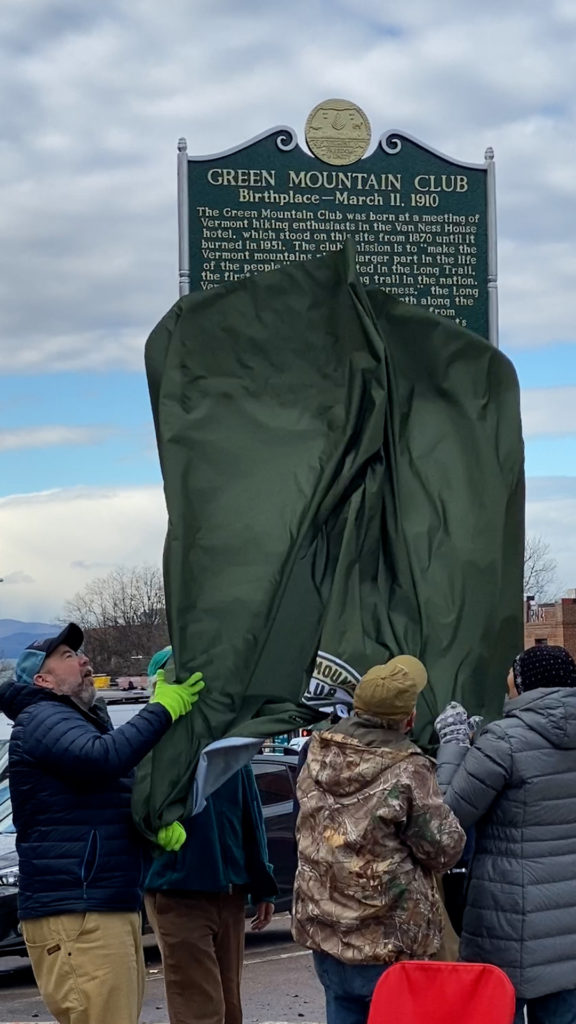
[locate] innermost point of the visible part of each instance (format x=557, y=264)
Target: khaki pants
x=201, y=939
x=89, y=967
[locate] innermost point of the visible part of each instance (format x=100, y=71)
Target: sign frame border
x=391, y=142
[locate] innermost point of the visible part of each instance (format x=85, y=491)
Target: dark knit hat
x=543, y=666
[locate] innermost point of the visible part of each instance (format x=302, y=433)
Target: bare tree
x=540, y=570
x=123, y=616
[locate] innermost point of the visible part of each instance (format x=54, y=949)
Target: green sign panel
x=423, y=224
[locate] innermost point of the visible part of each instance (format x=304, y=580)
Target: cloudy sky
x=95, y=96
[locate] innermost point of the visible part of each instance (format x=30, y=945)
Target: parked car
x=275, y=775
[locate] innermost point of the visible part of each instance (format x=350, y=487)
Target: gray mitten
x=452, y=725
x=475, y=726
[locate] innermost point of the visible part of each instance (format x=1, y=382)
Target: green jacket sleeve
x=260, y=872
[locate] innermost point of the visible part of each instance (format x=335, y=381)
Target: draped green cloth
x=343, y=472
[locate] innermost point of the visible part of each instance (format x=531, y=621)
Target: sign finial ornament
x=338, y=132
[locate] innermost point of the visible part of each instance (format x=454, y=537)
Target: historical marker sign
x=424, y=225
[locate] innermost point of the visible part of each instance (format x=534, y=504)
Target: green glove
x=171, y=837
x=177, y=698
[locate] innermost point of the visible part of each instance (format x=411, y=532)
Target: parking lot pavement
x=278, y=986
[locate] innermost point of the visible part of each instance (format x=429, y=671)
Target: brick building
x=552, y=623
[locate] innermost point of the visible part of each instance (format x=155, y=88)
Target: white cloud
x=44, y=534
x=535, y=292
x=17, y=577
x=97, y=95
x=64, y=538
x=549, y=411
x=47, y=437
x=552, y=518
x=80, y=563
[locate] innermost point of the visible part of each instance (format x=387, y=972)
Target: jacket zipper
x=93, y=840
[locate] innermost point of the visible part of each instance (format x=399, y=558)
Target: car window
x=122, y=713
x=6, y=826
x=274, y=783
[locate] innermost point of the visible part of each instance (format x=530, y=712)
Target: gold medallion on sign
x=338, y=132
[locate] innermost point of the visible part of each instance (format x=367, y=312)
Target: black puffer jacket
x=518, y=783
x=70, y=784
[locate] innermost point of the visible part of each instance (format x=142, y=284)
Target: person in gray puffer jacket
x=517, y=785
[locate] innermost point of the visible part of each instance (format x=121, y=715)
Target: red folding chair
x=432, y=992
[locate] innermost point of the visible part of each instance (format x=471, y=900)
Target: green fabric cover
x=342, y=471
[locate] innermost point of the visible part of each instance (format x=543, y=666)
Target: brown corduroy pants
x=201, y=939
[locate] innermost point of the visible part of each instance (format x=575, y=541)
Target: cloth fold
x=343, y=472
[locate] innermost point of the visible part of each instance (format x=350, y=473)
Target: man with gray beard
x=81, y=861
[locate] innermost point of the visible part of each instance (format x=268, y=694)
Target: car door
x=276, y=785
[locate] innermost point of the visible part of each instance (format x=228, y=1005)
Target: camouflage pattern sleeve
x=432, y=831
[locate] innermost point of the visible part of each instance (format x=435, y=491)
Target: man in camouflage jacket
x=372, y=832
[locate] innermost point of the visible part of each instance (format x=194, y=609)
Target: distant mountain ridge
x=15, y=635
